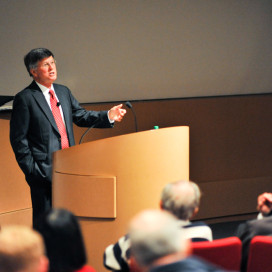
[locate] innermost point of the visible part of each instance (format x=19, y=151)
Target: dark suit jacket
x=34, y=135
x=248, y=230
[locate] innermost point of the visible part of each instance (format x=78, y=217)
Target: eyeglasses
x=48, y=64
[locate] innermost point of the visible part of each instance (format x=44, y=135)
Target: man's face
x=46, y=72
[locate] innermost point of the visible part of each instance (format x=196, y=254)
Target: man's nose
x=51, y=66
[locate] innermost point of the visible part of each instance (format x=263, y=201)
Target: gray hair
x=181, y=198
x=154, y=234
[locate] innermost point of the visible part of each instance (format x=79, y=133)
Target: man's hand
x=117, y=113
x=264, y=203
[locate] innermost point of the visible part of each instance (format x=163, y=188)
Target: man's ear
x=33, y=72
x=195, y=211
x=44, y=264
x=160, y=204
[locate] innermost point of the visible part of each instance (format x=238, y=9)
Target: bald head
x=181, y=198
x=155, y=234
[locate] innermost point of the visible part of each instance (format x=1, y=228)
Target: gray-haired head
x=155, y=234
x=181, y=198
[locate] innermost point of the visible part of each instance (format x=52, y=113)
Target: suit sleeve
x=84, y=118
x=19, y=126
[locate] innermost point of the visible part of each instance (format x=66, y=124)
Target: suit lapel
x=39, y=97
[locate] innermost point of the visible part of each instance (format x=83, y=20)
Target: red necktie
x=60, y=124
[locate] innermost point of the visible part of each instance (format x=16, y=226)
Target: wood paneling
x=15, y=202
x=230, y=148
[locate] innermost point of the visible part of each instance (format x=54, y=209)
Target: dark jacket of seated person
x=260, y=226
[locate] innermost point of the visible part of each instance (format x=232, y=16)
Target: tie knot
x=52, y=93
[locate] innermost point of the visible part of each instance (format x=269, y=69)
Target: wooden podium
x=106, y=182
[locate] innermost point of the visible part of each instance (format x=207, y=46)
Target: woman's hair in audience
x=63, y=240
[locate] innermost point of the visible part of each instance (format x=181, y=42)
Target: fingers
x=265, y=197
x=121, y=114
x=268, y=197
x=117, y=113
x=118, y=106
x=264, y=203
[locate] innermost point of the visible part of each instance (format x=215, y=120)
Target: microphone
x=87, y=130
x=128, y=104
x=58, y=104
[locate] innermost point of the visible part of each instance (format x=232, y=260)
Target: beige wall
x=156, y=49
x=230, y=151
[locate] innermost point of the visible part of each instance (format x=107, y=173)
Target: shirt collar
x=43, y=88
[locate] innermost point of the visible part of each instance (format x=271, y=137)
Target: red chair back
x=134, y=267
x=260, y=252
x=225, y=252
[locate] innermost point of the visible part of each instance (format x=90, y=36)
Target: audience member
x=22, y=250
x=264, y=205
x=260, y=226
x=64, y=242
x=182, y=199
x=158, y=244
